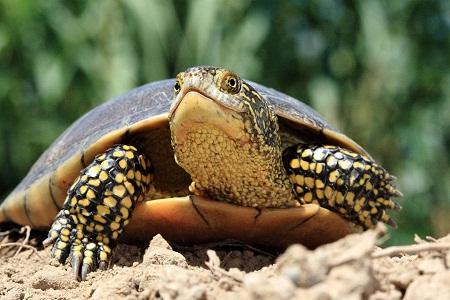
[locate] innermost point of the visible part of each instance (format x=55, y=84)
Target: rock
x=430, y=287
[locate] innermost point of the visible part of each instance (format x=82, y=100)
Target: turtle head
x=225, y=135
x=221, y=97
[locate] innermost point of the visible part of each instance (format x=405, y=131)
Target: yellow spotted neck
x=227, y=156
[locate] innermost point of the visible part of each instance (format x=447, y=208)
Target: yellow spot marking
x=292, y=178
x=328, y=192
x=129, y=187
x=358, y=165
x=117, y=219
x=312, y=166
x=357, y=207
x=126, y=147
x=138, y=175
x=114, y=226
x=103, y=256
x=319, y=168
x=103, y=176
x=122, y=163
x=124, y=212
x=362, y=201
x=126, y=202
x=130, y=174
x=87, y=260
x=118, y=153
x=82, y=219
x=73, y=201
x=119, y=190
x=350, y=197
x=304, y=164
x=93, y=171
x=119, y=178
x=295, y=163
x=309, y=181
x=319, y=194
x=340, y=181
x=99, y=228
x=143, y=163
x=331, y=161
x=110, y=201
x=342, y=210
x=374, y=210
x=83, y=189
x=102, y=210
x=308, y=197
x=61, y=245
x=333, y=176
x=129, y=155
x=94, y=182
x=90, y=194
x=115, y=235
x=339, y=198
x=306, y=153
x=99, y=219
x=318, y=155
x=106, y=164
x=299, y=190
x=369, y=186
x=65, y=231
x=84, y=202
x=345, y=164
x=319, y=184
x=300, y=180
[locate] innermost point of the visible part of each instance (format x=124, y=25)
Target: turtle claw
x=76, y=264
x=86, y=250
x=84, y=271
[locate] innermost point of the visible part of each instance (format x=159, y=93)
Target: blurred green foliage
x=378, y=70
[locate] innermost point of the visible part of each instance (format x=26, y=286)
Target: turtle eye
x=177, y=87
x=231, y=83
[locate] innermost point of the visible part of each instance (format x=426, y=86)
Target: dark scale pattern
x=98, y=207
x=343, y=181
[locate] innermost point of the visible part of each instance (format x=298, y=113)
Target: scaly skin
x=98, y=207
x=226, y=136
x=233, y=153
x=342, y=181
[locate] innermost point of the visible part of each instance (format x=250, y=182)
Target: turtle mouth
x=228, y=104
x=194, y=110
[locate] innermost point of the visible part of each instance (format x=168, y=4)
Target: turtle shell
x=140, y=116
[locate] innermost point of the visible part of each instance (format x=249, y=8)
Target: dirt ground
x=351, y=268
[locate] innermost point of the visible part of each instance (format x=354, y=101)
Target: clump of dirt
x=351, y=268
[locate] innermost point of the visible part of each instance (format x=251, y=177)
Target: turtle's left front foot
x=97, y=209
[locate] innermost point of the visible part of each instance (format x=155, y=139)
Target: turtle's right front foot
x=97, y=208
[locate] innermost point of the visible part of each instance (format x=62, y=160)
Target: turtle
x=204, y=157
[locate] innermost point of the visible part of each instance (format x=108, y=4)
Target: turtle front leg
x=345, y=182
x=98, y=206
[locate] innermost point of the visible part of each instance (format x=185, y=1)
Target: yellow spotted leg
x=98, y=206
x=345, y=182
